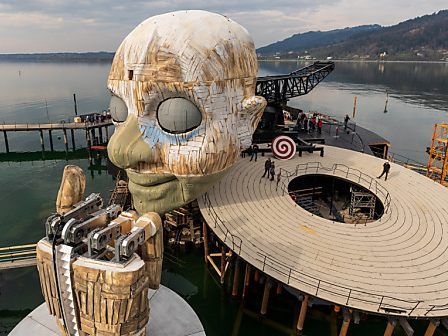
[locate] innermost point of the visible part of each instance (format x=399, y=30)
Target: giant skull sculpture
x=183, y=87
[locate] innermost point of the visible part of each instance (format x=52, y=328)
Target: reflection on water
x=43, y=92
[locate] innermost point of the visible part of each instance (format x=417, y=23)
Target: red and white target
x=283, y=147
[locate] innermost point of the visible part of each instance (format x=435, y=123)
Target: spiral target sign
x=283, y=147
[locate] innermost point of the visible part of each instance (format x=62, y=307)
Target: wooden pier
x=89, y=128
x=17, y=256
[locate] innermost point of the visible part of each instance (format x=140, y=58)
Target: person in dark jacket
x=267, y=166
x=272, y=171
x=254, y=153
x=386, y=168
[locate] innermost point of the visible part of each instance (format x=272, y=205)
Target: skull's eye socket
x=178, y=115
x=118, y=109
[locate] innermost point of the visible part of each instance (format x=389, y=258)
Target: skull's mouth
x=146, y=179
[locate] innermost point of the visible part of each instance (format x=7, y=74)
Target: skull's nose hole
x=130, y=74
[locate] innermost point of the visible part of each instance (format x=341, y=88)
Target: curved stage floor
x=170, y=316
x=397, y=265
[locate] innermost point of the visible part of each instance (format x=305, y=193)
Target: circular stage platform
x=397, y=265
x=170, y=316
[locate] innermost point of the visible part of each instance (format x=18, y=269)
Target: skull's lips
x=148, y=179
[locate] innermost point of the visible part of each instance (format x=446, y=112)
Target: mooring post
x=42, y=140
x=51, y=140
x=223, y=263
x=433, y=324
x=246, y=280
x=205, y=237
x=266, y=292
x=72, y=133
x=65, y=139
x=302, y=314
x=345, y=324
x=5, y=135
x=236, y=277
x=76, y=105
x=390, y=327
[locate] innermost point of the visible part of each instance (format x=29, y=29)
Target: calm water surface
x=42, y=92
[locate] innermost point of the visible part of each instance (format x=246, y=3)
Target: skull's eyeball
x=178, y=115
x=118, y=109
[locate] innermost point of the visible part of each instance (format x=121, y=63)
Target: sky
x=100, y=25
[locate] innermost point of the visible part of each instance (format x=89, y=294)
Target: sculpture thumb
x=72, y=188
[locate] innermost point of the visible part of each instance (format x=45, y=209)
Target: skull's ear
x=253, y=108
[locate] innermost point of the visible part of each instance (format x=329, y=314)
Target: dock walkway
x=397, y=265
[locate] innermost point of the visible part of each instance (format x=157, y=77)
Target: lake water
x=42, y=92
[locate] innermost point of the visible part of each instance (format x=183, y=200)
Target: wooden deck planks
x=403, y=255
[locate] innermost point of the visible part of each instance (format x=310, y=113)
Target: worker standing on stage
x=267, y=166
x=272, y=171
x=346, y=119
x=386, y=168
x=254, y=153
x=319, y=125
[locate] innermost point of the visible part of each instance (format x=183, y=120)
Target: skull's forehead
x=188, y=47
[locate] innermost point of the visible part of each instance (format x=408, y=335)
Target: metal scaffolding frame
x=438, y=158
x=362, y=200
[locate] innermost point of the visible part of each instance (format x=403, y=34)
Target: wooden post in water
x=107, y=133
x=432, y=327
x=65, y=139
x=246, y=280
x=236, y=277
x=76, y=105
x=5, y=135
x=92, y=130
x=72, y=133
x=223, y=263
x=354, y=107
x=205, y=236
x=257, y=276
x=51, y=140
x=302, y=314
x=390, y=327
x=42, y=140
x=266, y=292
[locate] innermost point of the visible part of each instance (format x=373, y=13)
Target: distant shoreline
x=350, y=61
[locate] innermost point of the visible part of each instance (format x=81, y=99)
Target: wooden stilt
x=279, y=288
x=266, y=292
x=107, y=133
x=257, y=276
x=5, y=135
x=73, y=139
x=42, y=140
x=390, y=328
x=432, y=328
x=302, y=313
x=92, y=130
x=65, y=139
x=100, y=134
x=223, y=264
x=51, y=140
x=205, y=235
x=345, y=325
x=246, y=280
x=236, y=278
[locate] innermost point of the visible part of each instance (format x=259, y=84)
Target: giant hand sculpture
x=183, y=101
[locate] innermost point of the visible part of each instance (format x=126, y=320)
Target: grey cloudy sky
x=83, y=25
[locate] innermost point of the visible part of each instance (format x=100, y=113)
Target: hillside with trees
x=422, y=38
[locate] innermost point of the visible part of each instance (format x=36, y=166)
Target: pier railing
x=217, y=223
x=343, y=171
x=348, y=296
x=17, y=256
